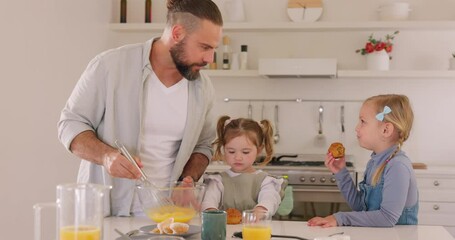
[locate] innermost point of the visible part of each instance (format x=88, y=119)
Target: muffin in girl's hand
x=337, y=150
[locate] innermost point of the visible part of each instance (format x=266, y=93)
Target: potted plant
x=378, y=52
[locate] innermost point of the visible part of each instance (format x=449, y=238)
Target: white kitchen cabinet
x=437, y=197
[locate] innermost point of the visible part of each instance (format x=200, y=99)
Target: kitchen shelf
x=296, y=100
x=345, y=74
x=232, y=73
x=395, y=74
x=295, y=26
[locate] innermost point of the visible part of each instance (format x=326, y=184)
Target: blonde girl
x=242, y=187
x=388, y=193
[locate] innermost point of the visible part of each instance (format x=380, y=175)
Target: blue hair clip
x=380, y=116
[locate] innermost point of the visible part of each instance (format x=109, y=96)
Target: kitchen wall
x=46, y=44
x=414, y=50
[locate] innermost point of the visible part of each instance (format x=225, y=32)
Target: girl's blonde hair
x=401, y=117
x=260, y=134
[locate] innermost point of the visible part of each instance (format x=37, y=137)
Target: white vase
x=378, y=61
x=452, y=63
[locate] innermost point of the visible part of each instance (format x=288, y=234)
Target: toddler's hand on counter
x=329, y=221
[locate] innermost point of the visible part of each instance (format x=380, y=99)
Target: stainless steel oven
x=315, y=190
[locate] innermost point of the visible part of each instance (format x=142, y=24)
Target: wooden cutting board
x=304, y=3
x=419, y=166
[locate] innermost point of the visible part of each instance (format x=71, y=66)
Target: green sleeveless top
x=242, y=191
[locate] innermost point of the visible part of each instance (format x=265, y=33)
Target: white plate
x=191, y=231
x=304, y=14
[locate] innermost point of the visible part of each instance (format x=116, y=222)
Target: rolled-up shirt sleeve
x=85, y=107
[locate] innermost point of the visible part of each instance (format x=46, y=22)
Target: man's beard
x=178, y=56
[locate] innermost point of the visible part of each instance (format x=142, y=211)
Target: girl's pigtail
x=377, y=174
x=219, y=142
x=267, y=130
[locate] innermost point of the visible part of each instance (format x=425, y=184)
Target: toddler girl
x=242, y=187
x=388, y=193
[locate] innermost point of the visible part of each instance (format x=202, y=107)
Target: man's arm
x=87, y=146
x=195, y=167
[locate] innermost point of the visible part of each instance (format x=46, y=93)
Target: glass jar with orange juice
x=79, y=212
x=257, y=225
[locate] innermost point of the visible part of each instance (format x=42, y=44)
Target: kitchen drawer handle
x=436, y=207
x=296, y=189
x=436, y=183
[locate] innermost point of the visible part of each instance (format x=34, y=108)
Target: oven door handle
x=315, y=190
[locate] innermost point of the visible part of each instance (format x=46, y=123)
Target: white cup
x=234, y=10
x=396, y=11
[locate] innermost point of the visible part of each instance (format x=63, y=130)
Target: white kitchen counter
x=300, y=229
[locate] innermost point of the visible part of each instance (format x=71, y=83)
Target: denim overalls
x=372, y=199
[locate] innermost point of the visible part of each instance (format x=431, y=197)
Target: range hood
x=298, y=67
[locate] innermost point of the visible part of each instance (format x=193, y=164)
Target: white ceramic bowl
x=304, y=14
x=397, y=11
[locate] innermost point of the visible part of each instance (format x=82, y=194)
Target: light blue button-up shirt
x=108, y=99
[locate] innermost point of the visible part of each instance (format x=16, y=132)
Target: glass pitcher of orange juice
x=79, y=212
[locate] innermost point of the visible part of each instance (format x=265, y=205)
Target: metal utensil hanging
x=276, y=136
x=342, y=118
x=321, y=115
x=320, y=140
x=250, y=110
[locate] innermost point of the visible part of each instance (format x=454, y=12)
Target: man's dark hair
x=178, y=11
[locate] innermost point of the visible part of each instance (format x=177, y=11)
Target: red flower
x=369, y=47
x=378, y=45
x=388, y=48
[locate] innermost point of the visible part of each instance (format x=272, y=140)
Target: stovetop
x=300, y=160
x=302, y=163
x=306, y=169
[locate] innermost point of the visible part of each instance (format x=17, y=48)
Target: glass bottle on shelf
x=244, y=57
x=226, y=53
x=122, y=11
x=148, y=11
x=213, y=65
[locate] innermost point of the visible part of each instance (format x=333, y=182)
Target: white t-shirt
x=163, y=126
x=164, y=120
